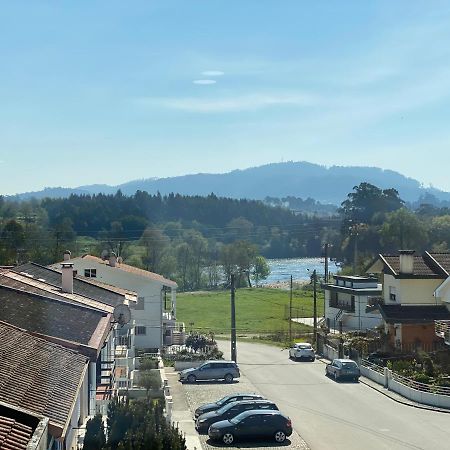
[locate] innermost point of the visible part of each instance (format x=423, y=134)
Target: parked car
x=207, y=407
x=231, y=410
x=212, y=370
x=343, y=368
x=252, y=425
x=302, y=350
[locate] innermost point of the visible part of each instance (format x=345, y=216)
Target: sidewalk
x=181, y=414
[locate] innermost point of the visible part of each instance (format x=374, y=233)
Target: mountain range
x=299, y=179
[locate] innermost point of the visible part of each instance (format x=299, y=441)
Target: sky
x=110, y=91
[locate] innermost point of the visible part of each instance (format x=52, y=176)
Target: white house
x=154, y=315
x=352, y=300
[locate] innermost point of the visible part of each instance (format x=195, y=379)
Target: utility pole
x=341, y=341
x=233, y=322
x=290, y=315
x=326, y=262
x=315, y=305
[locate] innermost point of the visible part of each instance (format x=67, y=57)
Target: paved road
x=338, y=416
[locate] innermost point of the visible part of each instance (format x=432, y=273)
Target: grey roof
x=49, y=317
x=39, y=376
x=413, y=313
x=80, y=287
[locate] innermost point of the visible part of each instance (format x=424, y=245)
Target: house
x=154, y=314
x=415, y=295
x=350, y=302
x=117, y=356
x=45, y=379
x=20, y=429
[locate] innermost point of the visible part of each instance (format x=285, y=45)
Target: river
x=300, y=268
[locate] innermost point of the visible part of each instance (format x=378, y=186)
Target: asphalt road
x=335, y=416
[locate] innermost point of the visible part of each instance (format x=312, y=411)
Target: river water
x=300, y=268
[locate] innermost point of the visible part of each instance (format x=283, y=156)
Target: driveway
x=204, y=392
x=337, y=416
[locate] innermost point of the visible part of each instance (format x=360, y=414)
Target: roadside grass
x=261, y=313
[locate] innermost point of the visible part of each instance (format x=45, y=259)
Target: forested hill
x=297, y=179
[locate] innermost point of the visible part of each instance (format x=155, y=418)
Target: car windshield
x=304, y=346
x=222, y=401
x=224, y=408
x=238, y=418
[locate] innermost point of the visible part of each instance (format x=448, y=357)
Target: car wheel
x=228, y=378
x=191, y=379
x=312, y=359
x=227, y=438
x=356, y=379
x=280, y=436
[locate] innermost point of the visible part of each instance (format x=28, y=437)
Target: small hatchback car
x=302, y=350
x=252, y=425
x=212, y=370
x=343, y=368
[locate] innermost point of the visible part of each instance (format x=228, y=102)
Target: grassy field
x=259, y=311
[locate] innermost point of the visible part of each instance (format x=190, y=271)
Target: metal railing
x=372, y=366
x=348, y=307
x=442, y=329
x=423, y=387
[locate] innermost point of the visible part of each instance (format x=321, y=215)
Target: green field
x=259, y=311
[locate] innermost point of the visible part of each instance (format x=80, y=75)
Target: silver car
x=343, y=368
x=212, y=370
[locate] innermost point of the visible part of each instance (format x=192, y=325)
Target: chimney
x=67, y=277
x=67, y=255
x=112, y=259
x=406, y=261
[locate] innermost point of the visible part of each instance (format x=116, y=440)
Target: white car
x=302, y=350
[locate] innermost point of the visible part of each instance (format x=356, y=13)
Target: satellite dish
x=122, y=314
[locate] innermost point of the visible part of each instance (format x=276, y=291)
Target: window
x=123, y=384
x=140, y=304
x=90, y=273
x=392, y=293
x=141, y=331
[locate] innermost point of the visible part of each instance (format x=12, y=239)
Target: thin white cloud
x=230, y=104
x=204, y=82
x=213, y=73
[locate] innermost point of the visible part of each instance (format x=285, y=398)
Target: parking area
x=207, y=391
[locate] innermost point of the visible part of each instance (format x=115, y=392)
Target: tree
x=94, y=438
x=403, y=230
x=155, y=243
x=260, y=270
x=12, y=240
x=149, y=380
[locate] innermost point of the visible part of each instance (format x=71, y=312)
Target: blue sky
x=110, y=91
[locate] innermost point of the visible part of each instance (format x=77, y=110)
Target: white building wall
x=146, y=288
x=410, y=291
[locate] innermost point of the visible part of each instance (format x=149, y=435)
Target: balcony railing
x=442, y=329
x=344, y=306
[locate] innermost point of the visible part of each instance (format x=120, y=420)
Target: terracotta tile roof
x=413, y=313
x=422, y=267
x=13, y=434
x=443, y=259
x=108, y=286
x=39, y=376
x=80, y=287
x=50, y=317
x=134, y=270
x=34, y=286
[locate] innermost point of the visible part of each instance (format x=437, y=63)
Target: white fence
x=330, y=352
x=426, y=394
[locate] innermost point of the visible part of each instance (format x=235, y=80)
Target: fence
x=426, y=394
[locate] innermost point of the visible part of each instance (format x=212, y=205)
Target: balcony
x=344, y=306
x=442, y=329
